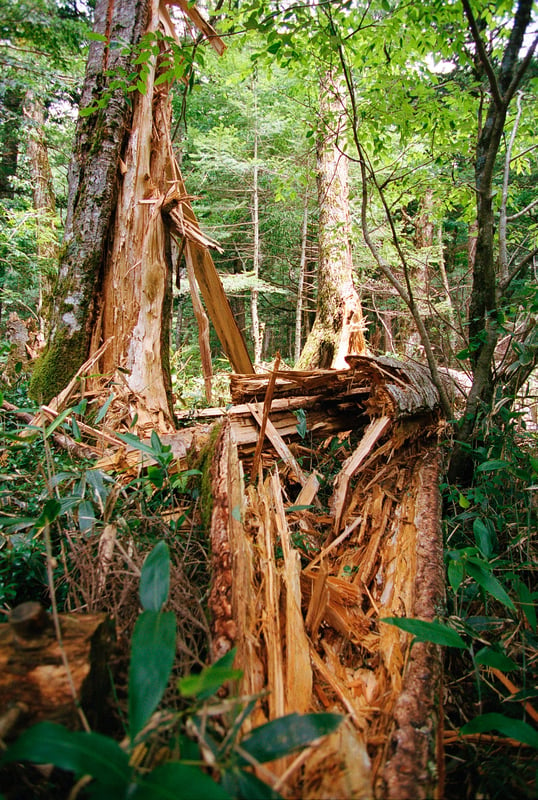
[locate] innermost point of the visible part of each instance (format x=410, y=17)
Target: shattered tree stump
x=302, y=592
x=34, y=685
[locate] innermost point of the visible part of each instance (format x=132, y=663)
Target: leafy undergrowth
x=491, y=552
x=109, y=538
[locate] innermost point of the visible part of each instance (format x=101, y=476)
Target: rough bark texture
x=338, y=328
x=44, y=203
x=33, y=677
x=93, y=189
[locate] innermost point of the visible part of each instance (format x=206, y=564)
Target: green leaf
x=157, y=476
x=153, y=648
x=287, y=734
x=210, y=678
x=86, y=516
x=155, y=578
x=506, y=726
x=484, y=537
x=455, y=574
x=207, y=682
x=493, y=656
x=104, y=408
x=463, y=502
x=488, y=582
x=492, y=466
x=85, y=112
x=96, y=37
x=50, y=513
x=57, y=422
x=175, y=780
x=246, y=786
x=134, y=441
x=423, y=631
x=81, y=753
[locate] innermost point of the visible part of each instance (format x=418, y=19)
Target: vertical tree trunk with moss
x=94, y=182
x=338, y=327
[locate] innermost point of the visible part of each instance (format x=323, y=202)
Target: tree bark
x=338, y=328
x=44, y=204
x=126, y=194
x=94, y=182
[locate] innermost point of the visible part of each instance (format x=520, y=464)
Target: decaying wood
x=33, y=679
x=305, y=591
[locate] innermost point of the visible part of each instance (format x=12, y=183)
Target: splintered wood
x=314, y=568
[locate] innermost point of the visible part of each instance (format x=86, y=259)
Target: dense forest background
x=432, y=108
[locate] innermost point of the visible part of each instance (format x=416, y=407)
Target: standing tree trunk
x=483, y=307
x=257, y=335
x=44, y=204
x=338, y=328
x=126, y=194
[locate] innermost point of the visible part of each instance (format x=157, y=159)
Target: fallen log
x=301, y=592
x=34, y=682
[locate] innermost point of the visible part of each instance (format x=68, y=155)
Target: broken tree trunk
x=302, y=591
x=34, y=682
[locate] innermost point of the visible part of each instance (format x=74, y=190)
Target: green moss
x=56, y=366
x=204, y=463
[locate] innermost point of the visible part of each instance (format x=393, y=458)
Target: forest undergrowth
x=97, y=531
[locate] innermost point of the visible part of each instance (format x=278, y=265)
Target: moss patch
x=56, y=366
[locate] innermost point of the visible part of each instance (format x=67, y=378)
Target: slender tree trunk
x=483, y=323
x=338, y=328
x=301, y=282
x=44, y=204
x=256, y=256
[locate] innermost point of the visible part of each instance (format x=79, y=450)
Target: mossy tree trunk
x=94, y=183
x=338, y=327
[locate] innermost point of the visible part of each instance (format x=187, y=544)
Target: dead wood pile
x=305, y=568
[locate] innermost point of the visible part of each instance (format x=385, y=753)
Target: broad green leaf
x=174, y=780
x=494, y=657
x=97, y=37
x=86, y=516
x=155, y=578
x=488, y=582
x=484, y=537
x=51, y=512
x=423, y=631
x=455, y=574
x=287, y=734
x=506, y=726
x=243, y=785
x=153, y=648
x=157, y=476
x=81, y=753
x=492, y=466
x=85, y=112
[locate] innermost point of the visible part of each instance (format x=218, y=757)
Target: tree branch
x=486, y=63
